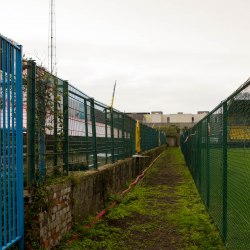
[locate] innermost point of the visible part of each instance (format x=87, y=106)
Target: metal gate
x=11, y=147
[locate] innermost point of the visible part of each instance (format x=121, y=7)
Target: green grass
x=238, y=189
x=187, y=217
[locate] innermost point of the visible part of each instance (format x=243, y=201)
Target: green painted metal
x=123, y=139
x=112, y=136
x=86, y=131
x=31, y=121
x=208, y=159
x=55, y=122
x=224, y=220
x=221, y=171
x=106, y=138
x=92, y=111
x=82, y=127
x=65, y=128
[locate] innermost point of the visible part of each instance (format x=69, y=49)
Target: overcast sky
x=168, y=55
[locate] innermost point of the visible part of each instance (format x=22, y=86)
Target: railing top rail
x=235, y=93
x=44, y=69
x=13, y=43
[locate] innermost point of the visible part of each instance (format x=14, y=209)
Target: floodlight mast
x=52, y=39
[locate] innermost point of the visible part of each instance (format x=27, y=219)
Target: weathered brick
x=63, y=204
x=53, y=217
x=46, y=244
x=56, y=201
x=54, y=209
x=42, y=232
x=58, y=194
x=57, y=229
x=64, y=224
x=64, y=210
x=54, y=196
x=57, y=214
x=53, y=231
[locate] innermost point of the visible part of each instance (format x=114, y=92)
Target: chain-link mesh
x=217, y=154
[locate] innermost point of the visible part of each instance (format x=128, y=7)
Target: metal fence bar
x=65, y=128
x=1, y=215
x=92, y=110
x=112, y=137
x=13, y=150
x=31, y=121
x=55, y=89
x=225, y=171
x=208, y=159
x=86, y=131
x=8, y=124
x=4, y=148
x=19, y=150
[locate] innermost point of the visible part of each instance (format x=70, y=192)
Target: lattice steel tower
x=52, y=39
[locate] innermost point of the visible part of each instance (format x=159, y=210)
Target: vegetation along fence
x=70, y=131
x=217, y=153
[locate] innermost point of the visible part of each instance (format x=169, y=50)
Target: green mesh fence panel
x=217, y=154
x=70, y=131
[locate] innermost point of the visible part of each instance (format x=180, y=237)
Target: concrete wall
x=175, y=118
x=137, y=116
x=180, y=125
x=72, y=202
x=173, y=141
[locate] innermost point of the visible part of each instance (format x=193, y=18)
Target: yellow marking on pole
x=137, y=137
x=113, y=97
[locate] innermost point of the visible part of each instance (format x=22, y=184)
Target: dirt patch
x=158, y=232
x=167, y=174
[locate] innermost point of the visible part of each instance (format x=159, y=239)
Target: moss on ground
x=163, y=212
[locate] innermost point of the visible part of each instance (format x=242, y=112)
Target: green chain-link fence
x=70, y=131
x=217, y=154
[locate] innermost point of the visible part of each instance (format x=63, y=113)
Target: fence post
x=55, y=121
x=199, y=155
x=31, y=122
x=131, y=136
x=106, y=137
x=123, y=139
x=224, y=145
x=92, y=111
x=112, y=136
x=86, y=131
x=66, y=127
x=208, y=160
x=41, y=131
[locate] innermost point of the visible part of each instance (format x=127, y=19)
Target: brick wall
x=89, y=197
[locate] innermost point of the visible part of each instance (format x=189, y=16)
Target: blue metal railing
x=11, y=147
